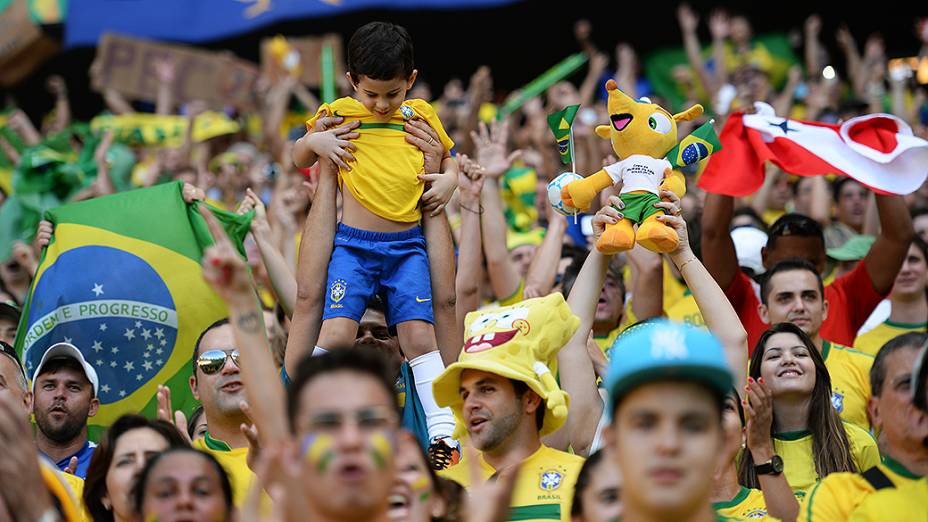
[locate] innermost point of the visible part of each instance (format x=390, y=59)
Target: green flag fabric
x=121, y=281
x=699, y=145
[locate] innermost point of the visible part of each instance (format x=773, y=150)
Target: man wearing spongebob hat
x=505, y=399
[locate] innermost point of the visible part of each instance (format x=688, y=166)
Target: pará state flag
x=121, y=280
x=878, y=150
x=560, y=123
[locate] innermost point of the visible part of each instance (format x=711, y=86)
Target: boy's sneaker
x=444, y=452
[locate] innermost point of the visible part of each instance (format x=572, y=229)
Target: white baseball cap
x=748, y=241
x=59, y=350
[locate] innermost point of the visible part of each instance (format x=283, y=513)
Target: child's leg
x=337, y=332
x=351, y=281
x=408, y=290
x=417, y=340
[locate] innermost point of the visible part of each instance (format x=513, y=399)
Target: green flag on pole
x=560, y=123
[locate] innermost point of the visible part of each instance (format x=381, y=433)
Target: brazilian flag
x=694, y=148
x=560, y=123
x=121, y=280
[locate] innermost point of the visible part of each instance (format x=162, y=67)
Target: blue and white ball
x=554, y=192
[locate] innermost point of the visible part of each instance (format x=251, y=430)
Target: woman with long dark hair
x=808, y=435
x=121, y=454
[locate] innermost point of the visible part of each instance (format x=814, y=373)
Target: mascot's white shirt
x=639, y=173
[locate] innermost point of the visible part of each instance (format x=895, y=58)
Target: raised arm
x=542, y=271
x=278, y=271
x=718, y=250
x=717, y=311
x=813, y=49
x=470, y=247
x=228, y=275
x=689, y=22
x=576, y=373
x=491, y=154
x=885, y=257
x=315, y=251
x=165, y=72
x=59, y=89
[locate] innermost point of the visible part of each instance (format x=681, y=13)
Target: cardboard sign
x=306, y=62
x=17, y=31
x=126, y=65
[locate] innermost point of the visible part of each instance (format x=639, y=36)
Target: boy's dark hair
x=138, y=490
x=757, y=221
x=521, y=388
x=584, y=478
x=357, y=360
x=910, y=340
x=793, y=263
x=380, y=51
x=573, y=270
x=794, y=224
x=839, y=183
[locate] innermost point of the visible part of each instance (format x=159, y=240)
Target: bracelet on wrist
x=478, y=212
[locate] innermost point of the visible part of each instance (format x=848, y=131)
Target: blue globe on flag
x=554, y=192
x=116, y=310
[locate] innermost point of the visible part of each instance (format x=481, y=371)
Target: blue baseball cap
x=665, y=350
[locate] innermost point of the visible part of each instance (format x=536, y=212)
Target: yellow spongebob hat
x=519, y=342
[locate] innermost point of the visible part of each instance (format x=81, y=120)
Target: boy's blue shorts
x=392, y=264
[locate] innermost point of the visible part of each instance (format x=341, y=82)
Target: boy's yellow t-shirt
x=748, y=505
x=385, y=174
x=839, y=494
x=799, y=466
x=687, y=311
x=544, y=489
x=871, y=342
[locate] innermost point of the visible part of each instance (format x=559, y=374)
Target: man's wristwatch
x=772, y=467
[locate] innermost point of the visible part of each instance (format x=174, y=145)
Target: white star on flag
x=148, y=366
x=159, y=333
x=102, y=327
x=99, y=362
x=146, y=333
x=130, y=334
x=115, y=350
x=150, y=347
x=67, y=340
x=147, y=355
x=97, y=289
x=113, y=364
x=122, y=393
x=163, y=342
x=138, y=377
x=105, y=388
x=97, y=346
x=138, y=324
x=159, y=362
x=159, y=351
x=129, y=366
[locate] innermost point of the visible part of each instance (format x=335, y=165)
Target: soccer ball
x=554, y=193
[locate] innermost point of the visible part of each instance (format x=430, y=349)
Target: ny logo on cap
x=668, y=343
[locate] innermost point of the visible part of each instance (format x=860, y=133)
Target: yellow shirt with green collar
x=850, y=382
x=871, y=342
x=908, y=503
x=795, y=448
x=234, y=461
x=836, y=496
x=544, y=488
x=748, y=505
x=385, y=174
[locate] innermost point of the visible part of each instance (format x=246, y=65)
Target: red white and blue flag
x=878, y=150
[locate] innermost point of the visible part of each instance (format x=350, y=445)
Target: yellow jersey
x=748, y=505
x=385, y=174
x=605, y=343
x=234, y=462
x=544, y=488
x=795, y=448
x=686, y=311
x=871, y=342
x=850, y=382
x=839, y=494
x=907, y=503
x=516, y=296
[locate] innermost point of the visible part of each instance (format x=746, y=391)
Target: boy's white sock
x=425, y=369
x=318, y=350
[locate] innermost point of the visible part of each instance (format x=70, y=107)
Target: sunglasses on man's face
x=212, y=361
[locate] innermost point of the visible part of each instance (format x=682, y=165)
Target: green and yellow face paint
x=420, y=488
x=319, y=451
x=380, y=447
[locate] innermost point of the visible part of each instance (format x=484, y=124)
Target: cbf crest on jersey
x=121, y=281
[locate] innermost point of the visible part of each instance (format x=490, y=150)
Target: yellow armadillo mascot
x=642, y=134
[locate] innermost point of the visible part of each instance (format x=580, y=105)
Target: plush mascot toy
x=644, y=137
